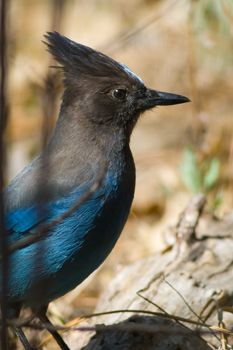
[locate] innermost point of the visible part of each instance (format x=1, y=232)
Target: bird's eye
x=119, y=94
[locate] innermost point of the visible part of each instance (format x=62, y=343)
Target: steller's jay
x=101, y=104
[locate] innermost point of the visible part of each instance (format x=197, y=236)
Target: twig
x=196, y=123
x=186, y=303
x=48, y=92
x=160, y=308
x=3, y=119
x=48, y=98
x=58, y=7
x=222, y=326
x=127, y=326
x=184, y=300
x=230, y=166
x=119, y=40
x=134, y=311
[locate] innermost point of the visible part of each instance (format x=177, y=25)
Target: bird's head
x=102, y=89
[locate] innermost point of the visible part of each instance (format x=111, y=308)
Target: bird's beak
x=153, y=98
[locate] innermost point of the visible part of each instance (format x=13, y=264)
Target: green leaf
x=190, y=171
x=212, y=174
x=218, y=199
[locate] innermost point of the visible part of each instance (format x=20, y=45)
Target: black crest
x=78, y=58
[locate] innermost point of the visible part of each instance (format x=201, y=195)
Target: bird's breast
x=96, y=226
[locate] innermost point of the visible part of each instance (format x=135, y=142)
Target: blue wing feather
x=72, y=249
x=22, y=220
x=58, y=247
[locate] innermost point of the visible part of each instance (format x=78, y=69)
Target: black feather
x=81, y=59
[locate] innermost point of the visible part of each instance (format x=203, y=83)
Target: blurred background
x=181, y=46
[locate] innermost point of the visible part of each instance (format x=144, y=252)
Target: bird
x=101, y=103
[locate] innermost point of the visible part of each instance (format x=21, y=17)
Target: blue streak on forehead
x=132, y=74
